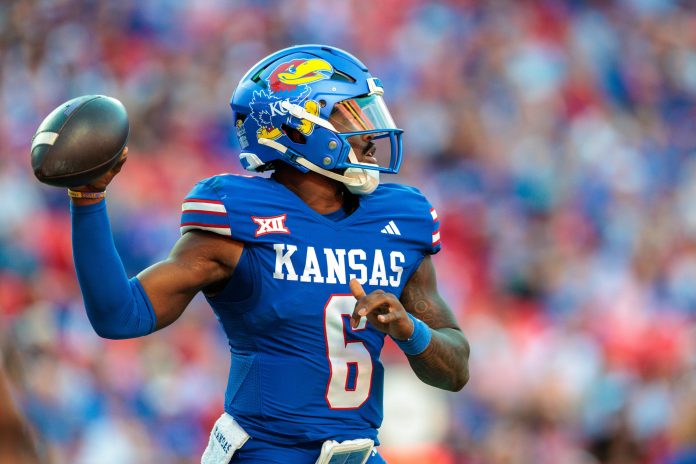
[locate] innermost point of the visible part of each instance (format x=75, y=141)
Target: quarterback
x=307, y=270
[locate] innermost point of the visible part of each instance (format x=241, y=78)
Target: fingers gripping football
x=383, y=310
x=100, y=183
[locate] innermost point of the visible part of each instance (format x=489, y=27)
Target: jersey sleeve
x=203, y=209
x=435, y=242
x=427, y=222
x=417, y=218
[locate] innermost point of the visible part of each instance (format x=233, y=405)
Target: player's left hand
x=383, y=310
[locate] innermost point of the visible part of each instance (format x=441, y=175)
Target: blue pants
x=256, y=451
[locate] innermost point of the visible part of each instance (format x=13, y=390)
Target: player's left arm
x=445, y=361
x=434, y=344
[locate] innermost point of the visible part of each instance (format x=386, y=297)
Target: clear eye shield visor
x=370, y=137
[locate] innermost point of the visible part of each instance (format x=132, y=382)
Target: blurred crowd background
x=556, y=138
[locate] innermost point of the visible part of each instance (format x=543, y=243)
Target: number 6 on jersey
x=350, y=363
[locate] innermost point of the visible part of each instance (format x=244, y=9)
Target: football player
x=307, y=270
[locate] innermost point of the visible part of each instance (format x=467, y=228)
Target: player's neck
x=320, y=193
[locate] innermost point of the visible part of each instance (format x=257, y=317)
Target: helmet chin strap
x=368, y=179
x=357, y=180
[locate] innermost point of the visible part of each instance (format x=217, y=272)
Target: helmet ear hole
x=293, y=134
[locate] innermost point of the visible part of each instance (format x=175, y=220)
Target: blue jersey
x=299, y=372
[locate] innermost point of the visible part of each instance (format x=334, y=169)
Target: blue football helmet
x=311, y=106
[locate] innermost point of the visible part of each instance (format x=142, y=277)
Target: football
x=79, y=141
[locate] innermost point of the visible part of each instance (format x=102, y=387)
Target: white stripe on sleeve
x=200, y=205
x=436, y=237
x=218, y=230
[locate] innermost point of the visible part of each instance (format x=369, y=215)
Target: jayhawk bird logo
x=288, y=81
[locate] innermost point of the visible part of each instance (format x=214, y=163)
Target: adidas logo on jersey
x=391, y=229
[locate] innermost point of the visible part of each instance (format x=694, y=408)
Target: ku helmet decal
x=288, y=82
x=316, y=108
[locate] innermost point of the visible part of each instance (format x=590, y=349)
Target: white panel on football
x=44, y=138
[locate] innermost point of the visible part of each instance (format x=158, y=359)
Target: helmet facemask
x=365, y=142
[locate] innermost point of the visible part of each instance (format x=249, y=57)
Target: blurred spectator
x=17, y=443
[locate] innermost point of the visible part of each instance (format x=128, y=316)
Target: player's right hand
x=383, y=310
x=101, y=182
